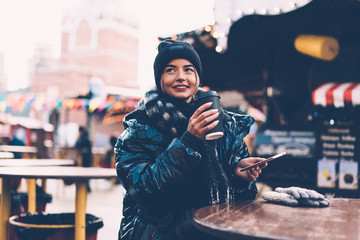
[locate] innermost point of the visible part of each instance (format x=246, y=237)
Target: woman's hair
x=169, y=50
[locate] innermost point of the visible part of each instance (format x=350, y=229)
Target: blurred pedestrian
x=109, y=156
x=84, y=147
x=163, y=161
x=17, y=140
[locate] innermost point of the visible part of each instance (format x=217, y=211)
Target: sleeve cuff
x=191, y=141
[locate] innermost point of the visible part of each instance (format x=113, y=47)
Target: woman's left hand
x=253, y=173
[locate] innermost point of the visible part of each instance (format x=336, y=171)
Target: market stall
x=337, y=119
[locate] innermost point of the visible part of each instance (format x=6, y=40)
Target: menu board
x=337, y=140
x=348, y=174
x=326, y=176
x=298, y=143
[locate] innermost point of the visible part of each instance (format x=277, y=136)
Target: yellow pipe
x=44, y=184
x=31, y=187
x=96, y=159
x=5, y=206
x=322, y=47
x=79, y=160
x=80, y=210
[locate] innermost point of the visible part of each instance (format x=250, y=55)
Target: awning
x=337, y=94
x=26, y=122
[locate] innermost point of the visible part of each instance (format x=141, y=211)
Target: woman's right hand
x=198, y=123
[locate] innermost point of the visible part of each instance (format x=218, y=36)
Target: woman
x=163, y=162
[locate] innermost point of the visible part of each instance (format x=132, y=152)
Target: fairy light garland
x=222, y=23
x=226, y=13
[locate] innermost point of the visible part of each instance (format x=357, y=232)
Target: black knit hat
x=169, y=50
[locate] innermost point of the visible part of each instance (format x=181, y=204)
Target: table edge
x=231, y=235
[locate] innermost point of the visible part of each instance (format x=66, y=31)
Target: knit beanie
x=169, y=50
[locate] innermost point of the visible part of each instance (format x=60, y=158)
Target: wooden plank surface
x=263, y=220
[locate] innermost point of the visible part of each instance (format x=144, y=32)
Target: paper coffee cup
x=203, y=97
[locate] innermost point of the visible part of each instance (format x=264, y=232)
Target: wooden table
x=6, y=155
x=80, y=175
x=31, y=183
x=15, y=148
x=263, y=220
x=19, y=149
x=36, y=162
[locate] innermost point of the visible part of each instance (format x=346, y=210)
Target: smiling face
x=180, y=79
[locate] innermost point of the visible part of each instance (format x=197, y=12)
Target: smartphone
x=264, y=161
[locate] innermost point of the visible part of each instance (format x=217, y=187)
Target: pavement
x=104, y=201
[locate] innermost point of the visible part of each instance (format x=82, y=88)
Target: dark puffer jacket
x=168, y=175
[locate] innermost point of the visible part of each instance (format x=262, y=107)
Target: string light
x=215, y=36
x=218, y=48
x=277, y=10
x=263, y=11
x=208, y=28
x=292, y=4
x=239, y=12
x=250, y=11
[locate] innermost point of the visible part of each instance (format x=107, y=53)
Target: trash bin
x=52, y=226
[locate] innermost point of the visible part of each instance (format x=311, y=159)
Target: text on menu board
x=298, y=143
x=338, y=141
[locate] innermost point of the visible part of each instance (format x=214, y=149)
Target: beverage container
x=203, y=97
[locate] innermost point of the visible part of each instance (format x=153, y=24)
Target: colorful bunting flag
x=16, y=102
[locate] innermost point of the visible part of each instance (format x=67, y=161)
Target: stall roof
x=27, y=122
x=257, y=44
x=337, y=94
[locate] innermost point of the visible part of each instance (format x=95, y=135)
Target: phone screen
x=265, y=161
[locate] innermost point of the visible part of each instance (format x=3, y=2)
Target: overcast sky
x=26, y=22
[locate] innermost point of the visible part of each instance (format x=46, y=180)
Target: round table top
x=62, y=172
x=263, y=220
x=15, y=148
x=36, y=162
x=6, y=155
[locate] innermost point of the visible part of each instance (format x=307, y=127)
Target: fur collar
x=166, y=114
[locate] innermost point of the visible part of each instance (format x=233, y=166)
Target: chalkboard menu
x=298, y=143
x=337, y=140
x=338, y=155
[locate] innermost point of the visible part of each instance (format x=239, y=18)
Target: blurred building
x=99, y=53
x=2, y=74
x=99, y=39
